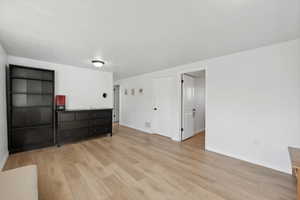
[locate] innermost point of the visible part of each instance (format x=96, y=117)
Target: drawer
x=101, y=122
x=72, y=135
x=73, y=125
x=29, y=138
x=65, y=117
x=82, y=115
x=102, y=114
x=100, y=130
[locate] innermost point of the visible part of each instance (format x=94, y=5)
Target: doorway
x=116, y=109
x=193, y=105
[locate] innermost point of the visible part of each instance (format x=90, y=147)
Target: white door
x=163, y=106
x=188, y=109
x=116, y=103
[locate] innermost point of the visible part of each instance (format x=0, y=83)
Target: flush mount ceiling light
x=98, y=63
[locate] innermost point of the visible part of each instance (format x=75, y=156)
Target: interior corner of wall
x=3, y=160
x=176, y=138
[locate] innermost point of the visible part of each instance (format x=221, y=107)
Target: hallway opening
x=193, y=106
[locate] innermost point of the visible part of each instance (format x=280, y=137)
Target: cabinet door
x=73, y=125
x=46, y=114
x=72, y=135
x=18, y=117
x=38, y=116
x=30, y=138
x=65, y=117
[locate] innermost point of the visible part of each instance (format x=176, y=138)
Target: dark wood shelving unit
x=30, y=108
x=32, y=79
x=30, y=93
x=22, y=107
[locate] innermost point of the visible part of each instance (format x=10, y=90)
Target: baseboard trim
x=136, y=129
x=3, y=161
x=230, y=155
x=145, y=132
x=200, y=131
x=176, y=139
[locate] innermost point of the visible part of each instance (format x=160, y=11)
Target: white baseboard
x=3, y=161
x=201, y=130
x=136, y=128
x=231, y=155
x=177, y=139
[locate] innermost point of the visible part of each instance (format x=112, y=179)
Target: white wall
x=253, y=103
x=136, y=110
x=3, y=122
x=200, y=104
x=83, y=87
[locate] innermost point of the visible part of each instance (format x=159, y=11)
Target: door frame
x=116, y=86
x=181, y=99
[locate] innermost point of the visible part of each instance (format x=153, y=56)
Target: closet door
x=163, y=106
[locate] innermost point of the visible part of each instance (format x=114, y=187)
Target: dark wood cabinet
x=32, y=138
x=76, y=125
x=30, y=108
x=31, y=114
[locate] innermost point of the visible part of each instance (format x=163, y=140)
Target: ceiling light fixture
x=98, y=63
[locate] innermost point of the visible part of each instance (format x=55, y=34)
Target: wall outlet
x=148, y=124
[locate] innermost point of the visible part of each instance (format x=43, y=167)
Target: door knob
x=154, y=108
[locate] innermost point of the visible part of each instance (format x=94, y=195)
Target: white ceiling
x=138, y=36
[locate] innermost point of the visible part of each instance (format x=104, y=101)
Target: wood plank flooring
x=135, y=165
x=197, y=141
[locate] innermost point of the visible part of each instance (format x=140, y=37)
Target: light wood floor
x=197, y=141
x=134, y=165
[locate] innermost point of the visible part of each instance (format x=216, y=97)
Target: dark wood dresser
x=76, y=125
